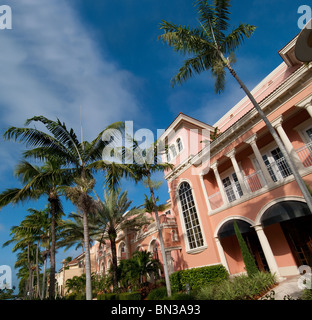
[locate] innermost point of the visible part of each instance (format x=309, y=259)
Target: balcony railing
x=255, y=181
x=305, y=155
x=215, y=200
x=279, y=169
x=233, y=192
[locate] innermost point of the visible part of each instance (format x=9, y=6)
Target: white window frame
x=277, y=173
x=229, y=174
x=186, y=241
x=182, y=145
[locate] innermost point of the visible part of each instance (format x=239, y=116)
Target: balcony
x=152, y=227
x=279, y=172
x=215, y=200
x=305, y=155
x=255, y=181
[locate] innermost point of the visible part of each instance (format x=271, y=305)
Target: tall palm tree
x=72, y=232
x=148, y=161
x=37, y=182
x=81, y=158
x=208, y=47
x=113, y=215
x=38, y=223
x=25, y=240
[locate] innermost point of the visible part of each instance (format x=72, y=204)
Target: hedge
x=120, y=296
x=197, y=277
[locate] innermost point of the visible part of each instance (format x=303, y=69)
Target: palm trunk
x=297, y=176
x=161, y=240
x=112, y=238
x=52, y=250
x=87, y=257
x=44, y=276
x=29, y=272
x=37, y=271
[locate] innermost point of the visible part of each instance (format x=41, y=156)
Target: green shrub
x=129, y=296
x=158, y=294
x=197, y=277
x=107, y=296
x=120, y=296
x=182, y=296
x=75, y=296
x=307, y=294
x=240, y=288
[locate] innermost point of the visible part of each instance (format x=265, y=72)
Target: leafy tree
x=146, y=264
x=112, y=217
x=249, y=261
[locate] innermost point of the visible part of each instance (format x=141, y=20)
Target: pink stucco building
x=240, y=175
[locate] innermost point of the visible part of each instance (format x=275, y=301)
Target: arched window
x=154, y=249
x=179, y=145
x=174, y=235
x=191, y=222
x=173, y=150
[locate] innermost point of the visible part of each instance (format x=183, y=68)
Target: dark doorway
x=298, y=233
x=256, y=251
x=250, y=237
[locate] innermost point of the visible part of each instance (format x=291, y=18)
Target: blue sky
x=104, y=57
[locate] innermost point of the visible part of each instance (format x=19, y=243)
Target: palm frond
x=236, y=38
x=184, y=39
x=61, y=134
x=190, y=66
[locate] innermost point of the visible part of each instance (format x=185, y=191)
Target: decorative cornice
x=269, y=104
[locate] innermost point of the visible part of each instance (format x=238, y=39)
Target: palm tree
x=73, y=232
x=80, y=158
x=38, y=223
x=149, y=205
x=46, y=180
x=24, y=240
x=145, y=264
x=210, y=48
x=149, y=163
x=113, y=216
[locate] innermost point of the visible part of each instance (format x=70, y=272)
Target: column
x=267, y=251
x=219, y=182
x=306, y=104
x=222, y=254
x=205, y=191
x=277, y=124
x=127, y=243
x=253, y=143
x=237, y=170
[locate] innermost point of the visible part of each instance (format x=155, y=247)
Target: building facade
x=234, y=171
x=242, y=176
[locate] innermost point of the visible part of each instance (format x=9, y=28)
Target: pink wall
x=279, y=246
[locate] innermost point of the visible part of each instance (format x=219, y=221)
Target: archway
x=229, y=242
x=121, y=251
x=295, y=220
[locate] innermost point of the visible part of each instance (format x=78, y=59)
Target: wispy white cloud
x=51, y=65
